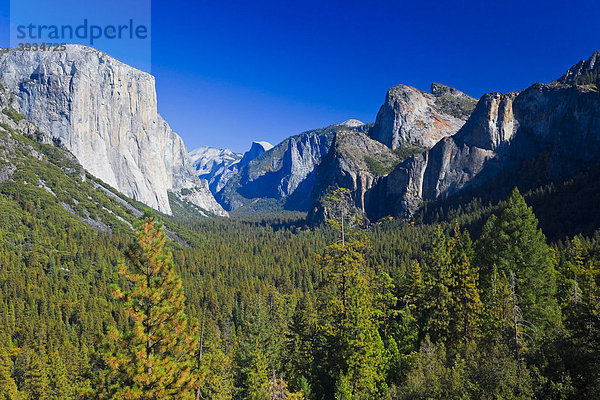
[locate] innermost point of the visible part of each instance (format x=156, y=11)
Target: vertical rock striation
x=105, y=113
x=548, y=132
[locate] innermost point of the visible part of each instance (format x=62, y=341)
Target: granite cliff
x=545, y=133
x=105, y=113
x=355, y=162
x=283, y=176
x=411, y=116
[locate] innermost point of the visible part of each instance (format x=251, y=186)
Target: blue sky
x=229, y=72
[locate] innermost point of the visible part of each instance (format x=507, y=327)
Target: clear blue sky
x=229, y=72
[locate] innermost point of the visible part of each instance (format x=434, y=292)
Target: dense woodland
x=273, y=309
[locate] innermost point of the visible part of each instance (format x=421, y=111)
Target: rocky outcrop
x=545, y=133
x=256, y=149
x=583, y=69
x=105, y=113
x=217, y=166
x=410, y=116
x=284, y=174
x=355, y=162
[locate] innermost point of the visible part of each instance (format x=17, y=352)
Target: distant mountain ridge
x=217, y=166
x=293, y=175
x=282, y=177
x=422, y=147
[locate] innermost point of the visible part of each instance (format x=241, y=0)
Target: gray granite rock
x=105, y=113
x=285, y=173
x=355, y=162
x=410, y=116
x=548, y=132
x=217, y=166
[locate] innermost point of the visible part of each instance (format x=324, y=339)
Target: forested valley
x=273, y=309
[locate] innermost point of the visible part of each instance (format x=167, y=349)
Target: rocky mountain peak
x=411, y=116
x=584, y=70
x=438, y=90
x=545, y=133
x=352, y=123
x=206, y=159
x=256, y=149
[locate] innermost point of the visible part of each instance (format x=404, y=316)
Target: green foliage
x=380, y=166
x=350, y=345
x=406, y=151
x=281, y=314
x=452, y=311
x=154, y=357
x=8, y=387
x=433, y=378
x=36, y=385
x=13, y=114
x=455, y=106
x=590, y=79
x=513, y=243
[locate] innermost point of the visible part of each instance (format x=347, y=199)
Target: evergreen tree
x=61, y=386
x=154, y=358
x=498, y=307
x=215, y=379
x=301, y=345
x=513, y=243
x=434, y=377
x=467, y=307
x=453, y=307
x=257, y=376
x=437, y=317
x=414, y=290
x=8, y=387
x=36, y=384
x=354, y=352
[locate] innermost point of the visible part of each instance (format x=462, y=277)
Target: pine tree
x=257, y=377
x=498, y=307
x=300, y=345
x=466, y=309
x=513, y=243
x=354, y=351
x=437, y=316
x=8, y=387
x=36, y=384
x=214, y=369
x=154, y=358
x=453, y=307
x=61, y=386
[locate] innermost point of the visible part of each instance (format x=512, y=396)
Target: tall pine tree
x=8, y=387
x=154, y=358
x=354, y=352
x=514, y=244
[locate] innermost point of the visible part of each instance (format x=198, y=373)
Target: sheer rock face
x=545, y=133
x=256, y=149
x=284, y=173
x=410, y=116
x=105, y=113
